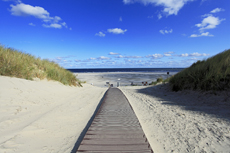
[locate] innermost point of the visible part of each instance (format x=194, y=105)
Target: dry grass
x=17, y=64
x=211, y=74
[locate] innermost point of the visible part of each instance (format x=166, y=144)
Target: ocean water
x=89, y=70
x=123, y=76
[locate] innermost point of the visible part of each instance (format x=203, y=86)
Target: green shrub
x=210, y=74
x=17, y=64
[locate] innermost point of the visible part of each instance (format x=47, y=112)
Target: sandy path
x=183, y=121
x=42, y=116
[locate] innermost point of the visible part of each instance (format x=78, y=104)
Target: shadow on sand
x=204, y=103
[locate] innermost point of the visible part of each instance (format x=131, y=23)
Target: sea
x=99, y=70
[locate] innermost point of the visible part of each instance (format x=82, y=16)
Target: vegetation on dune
x=211, y=74
x=17, y=64
x=159, y=80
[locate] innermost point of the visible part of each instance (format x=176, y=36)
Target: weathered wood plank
x=115, y=128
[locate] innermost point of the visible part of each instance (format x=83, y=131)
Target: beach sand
x=43, y=116
x=46, y=116
x=182, y=122
x=124, y=78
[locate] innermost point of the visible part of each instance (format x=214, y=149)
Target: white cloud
x=216, y=10
x=206, y=34
x=159, y=16
x=57, y=19
x=64, y=24
x=209, y=22
x=16, y=1
x=103, y=58
x=61, y=60
x=87, y=60
x=117, y=31
x=162, y=31
x=184, y=55
x=166, y=31
x=52, y=25
x=167, y=54
x=27, y=10
x=194, y=35
x=120, y=19
x=22, y=9
x=101, y=34
x=154, y=56
x=170, y=6
x=112, y=53
x=120, y=56
x=198, y=54
x=133, y=56
x=31, y=24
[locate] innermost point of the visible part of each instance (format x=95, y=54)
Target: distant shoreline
x=99, y=79
x=95, y=70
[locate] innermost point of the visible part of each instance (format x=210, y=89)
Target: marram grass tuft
x=211, y=74
x=17, y=64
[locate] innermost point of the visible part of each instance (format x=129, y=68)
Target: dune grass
x=18, y=64
x=211, y=74
x=159, y=80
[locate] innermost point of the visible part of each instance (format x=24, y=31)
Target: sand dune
x=43, y=116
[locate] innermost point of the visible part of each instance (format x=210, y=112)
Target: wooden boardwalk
x=115, y=128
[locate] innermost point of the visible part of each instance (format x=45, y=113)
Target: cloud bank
x=153, y=60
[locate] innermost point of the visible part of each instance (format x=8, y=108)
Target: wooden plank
x=127, y=151
x=113, y=141
x=115, y=128
x=133, y=136
x=116, y=147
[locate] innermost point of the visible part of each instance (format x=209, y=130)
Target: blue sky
x=117, y=33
